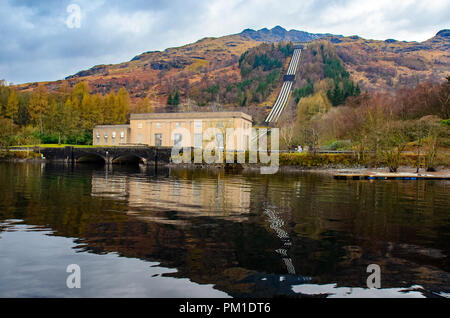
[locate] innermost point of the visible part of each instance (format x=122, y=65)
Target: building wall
x=143, y=129
x=111, y=135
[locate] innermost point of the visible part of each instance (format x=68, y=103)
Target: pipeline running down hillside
x=283, y=97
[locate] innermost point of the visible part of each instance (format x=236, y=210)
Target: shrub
x=320, y=160
x=8, y=155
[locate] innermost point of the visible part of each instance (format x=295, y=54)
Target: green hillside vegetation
x=261, y=70
x=319, y=62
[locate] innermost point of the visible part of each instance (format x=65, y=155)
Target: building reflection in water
x=223, y=196
x=218, y=197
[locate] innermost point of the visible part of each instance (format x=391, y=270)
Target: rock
x=444, y=33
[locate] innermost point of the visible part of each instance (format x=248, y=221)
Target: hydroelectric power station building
x=176, y=129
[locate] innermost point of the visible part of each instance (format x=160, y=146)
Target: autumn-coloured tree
x=288, y=129
x=311, y=106
x=144, y=106
x=393, y=143
x=38, y=106
x=121, y=107
x=12, y=106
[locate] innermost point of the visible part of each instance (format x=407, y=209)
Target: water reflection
x=238, y=235
x=105, y=275
x=216, y=196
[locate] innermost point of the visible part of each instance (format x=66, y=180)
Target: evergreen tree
x=170, y=100
x=176, y=99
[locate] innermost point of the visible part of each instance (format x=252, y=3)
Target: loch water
x=139, y=232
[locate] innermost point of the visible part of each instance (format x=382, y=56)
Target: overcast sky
x=44, y=40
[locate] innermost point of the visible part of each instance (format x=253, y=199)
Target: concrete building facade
x=178, y=129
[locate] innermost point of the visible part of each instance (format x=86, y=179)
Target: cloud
x=37, y=45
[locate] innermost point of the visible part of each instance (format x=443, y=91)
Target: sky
x=48, y=40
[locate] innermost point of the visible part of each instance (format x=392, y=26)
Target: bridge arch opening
x=129, y=159
x=90, y=158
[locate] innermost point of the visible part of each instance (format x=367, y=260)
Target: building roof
x=112, y=126
x=192, y=115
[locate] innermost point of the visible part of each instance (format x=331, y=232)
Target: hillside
x=195, y=69
x=391, y=64
x=188, y=68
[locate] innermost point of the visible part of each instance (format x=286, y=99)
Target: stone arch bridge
x=109, y=155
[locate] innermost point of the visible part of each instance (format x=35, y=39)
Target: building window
x=198, y=125
x=139, y=138
x=178, y=125
x=113, y=135
x=219, y=141
x=177, y=140
x=198, y=142
x=106, y=138
x=158, y=140
x=220, y=124
x=158, y=125
x=122, y=136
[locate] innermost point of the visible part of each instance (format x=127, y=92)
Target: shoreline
x=252, y=168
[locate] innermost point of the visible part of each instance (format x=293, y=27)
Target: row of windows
x=113, y=135
x=177, y=139
x=198, y=140
x=197, y=124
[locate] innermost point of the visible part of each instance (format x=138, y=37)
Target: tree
x=59, y=121
x=144, y=106
x=108, y=108
x=432, y=131
x=311, y=106
x=393, y=143
x=122, y=107
x=38, y=106
x=443, y=97
x=169, y=100
x=12, y=107
x=79, y=91
x=7, y=132
x=288, y=131
x=176, y=99
x=173, y=100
